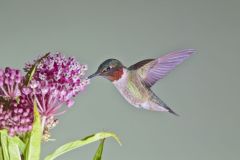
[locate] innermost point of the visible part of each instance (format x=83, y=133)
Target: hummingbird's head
x=111, y=69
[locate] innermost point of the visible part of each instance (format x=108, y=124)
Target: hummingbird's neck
x=121, y=81
x=117, y=74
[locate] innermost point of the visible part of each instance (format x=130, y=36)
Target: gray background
x=204, y=90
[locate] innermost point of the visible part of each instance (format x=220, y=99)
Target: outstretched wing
x=152, y=70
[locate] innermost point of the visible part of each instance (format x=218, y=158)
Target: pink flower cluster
x=56, y=81
x=15, y=116
x=9, y=83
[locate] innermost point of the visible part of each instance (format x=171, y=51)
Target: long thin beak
x=93, y=75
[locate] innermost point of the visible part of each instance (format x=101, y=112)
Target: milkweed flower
x=56, y=81
x=51, y=82
x=16, y=115
x=10, y=80
x=17, y=118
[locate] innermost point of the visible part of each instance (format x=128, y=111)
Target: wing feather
x=153, y=70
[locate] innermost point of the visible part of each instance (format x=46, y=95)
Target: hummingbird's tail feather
x=171, y=111
x=161, y=106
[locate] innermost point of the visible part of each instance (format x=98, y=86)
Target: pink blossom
x=16, y=117
x=9, y=83
x=56, y=82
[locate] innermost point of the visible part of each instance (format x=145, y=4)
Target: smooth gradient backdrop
x=204, y=90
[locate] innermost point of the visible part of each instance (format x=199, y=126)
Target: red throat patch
x=116, y=75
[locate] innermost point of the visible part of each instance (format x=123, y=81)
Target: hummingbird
x=134, y=83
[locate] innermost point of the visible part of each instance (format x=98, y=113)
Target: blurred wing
x=153, y=70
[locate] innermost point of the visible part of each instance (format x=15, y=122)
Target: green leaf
x=19, y=142
x=79, y=143
x=4, y=144
x=10, y=147
x=98, y=154
x=32, y=71
x=33, y=147
x=13, y=149
x=1, y=153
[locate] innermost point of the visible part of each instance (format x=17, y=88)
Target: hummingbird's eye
x=108, y=68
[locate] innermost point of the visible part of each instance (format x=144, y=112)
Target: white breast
x=121, y=86
x=122, y=82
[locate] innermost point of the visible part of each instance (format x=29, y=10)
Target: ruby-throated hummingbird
x=135, y=82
